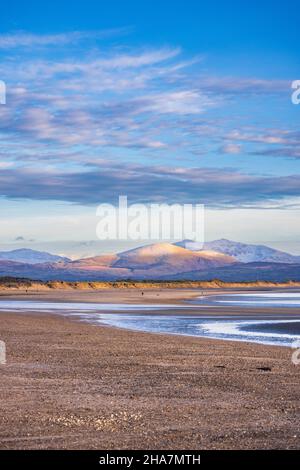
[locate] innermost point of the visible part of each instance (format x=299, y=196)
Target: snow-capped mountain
x=26, y=255
x=152, y=261
x=243, y=252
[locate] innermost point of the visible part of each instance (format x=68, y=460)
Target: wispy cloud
x=280, y=152
x=71, y=117
x=109, y=100
x=272, y=137
x=25, y=39
x=243, y=86
x=233, y=149
x=104, y=183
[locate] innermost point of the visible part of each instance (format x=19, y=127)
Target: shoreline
x=134, y=295
x=185, y=305
x=72, y=385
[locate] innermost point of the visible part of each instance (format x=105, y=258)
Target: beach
x=72, y=385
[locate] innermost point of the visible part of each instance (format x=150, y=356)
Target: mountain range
x=220, y=259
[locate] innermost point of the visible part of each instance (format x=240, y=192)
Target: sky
x=174, y=101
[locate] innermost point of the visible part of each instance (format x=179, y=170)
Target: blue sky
x=181, y=101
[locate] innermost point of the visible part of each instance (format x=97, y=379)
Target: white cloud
x=29, y=40
x=177, y=102
x=233, y=149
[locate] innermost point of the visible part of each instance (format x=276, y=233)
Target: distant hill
x=245, y=272
x=26, y=255
x=147, y=262
x=243, y=252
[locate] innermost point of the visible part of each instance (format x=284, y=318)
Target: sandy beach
x=71, y=385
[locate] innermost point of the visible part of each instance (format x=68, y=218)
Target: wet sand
x=106, y=295
x=70, y=385
x=283, y=328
